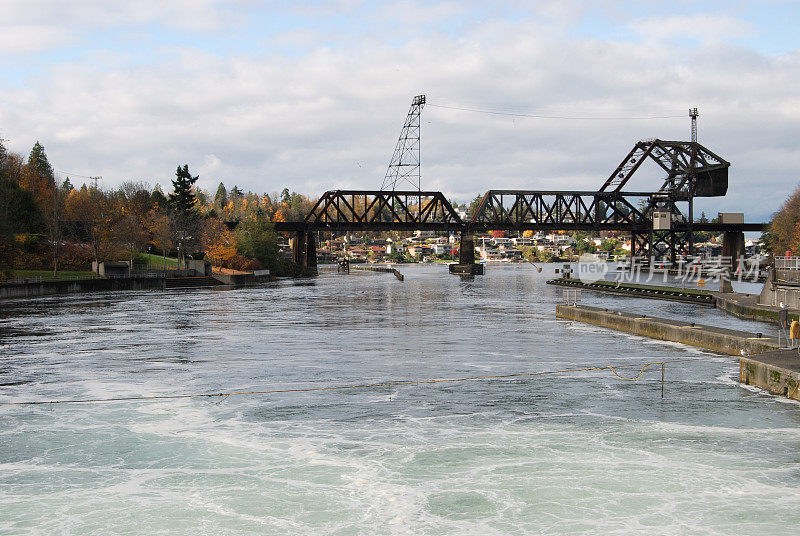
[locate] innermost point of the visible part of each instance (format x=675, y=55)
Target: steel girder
x=524, y=209
x=682, y=161
x=371, y=210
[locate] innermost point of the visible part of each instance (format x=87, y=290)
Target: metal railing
x=787, y=263
x=86, y=277
x=571, y=296
x=137, y=275
x=46, y=279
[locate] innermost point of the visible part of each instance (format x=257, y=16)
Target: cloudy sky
x=268, y=95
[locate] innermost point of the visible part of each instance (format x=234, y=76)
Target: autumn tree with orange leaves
x=218, y=242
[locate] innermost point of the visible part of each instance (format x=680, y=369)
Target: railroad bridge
x=660, y=222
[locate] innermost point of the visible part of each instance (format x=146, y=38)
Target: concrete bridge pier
x=310, y=259
x=733, y=249
x=304, y=249
x=298, y=243
x=466, y=257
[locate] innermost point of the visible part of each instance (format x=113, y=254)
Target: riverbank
x=148, y=281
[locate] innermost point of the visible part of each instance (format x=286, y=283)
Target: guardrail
x=571, y=296
x=43, y=279
x=49, y=279
x=787, y=263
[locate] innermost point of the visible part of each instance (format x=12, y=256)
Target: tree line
x=784, y=230
x=55, y=225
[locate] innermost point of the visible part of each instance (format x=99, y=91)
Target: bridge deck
x=299, y=226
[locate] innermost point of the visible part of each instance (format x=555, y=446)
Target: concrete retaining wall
x=243, y=280
x=720, y=340
x=776, y=372
x=775, y=292
x=45, y=288
x=386, y=269
x=750, y=312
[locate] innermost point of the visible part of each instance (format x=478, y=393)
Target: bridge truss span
x=692, y=169
x=370, y=210
x=523, y=210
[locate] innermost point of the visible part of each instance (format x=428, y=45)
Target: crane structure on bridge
x=660, y=222
x=404, y=167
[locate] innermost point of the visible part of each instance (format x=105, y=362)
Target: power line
x=74, y=174
x=548, y=116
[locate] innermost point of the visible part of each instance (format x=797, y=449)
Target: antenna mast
x=405, y=163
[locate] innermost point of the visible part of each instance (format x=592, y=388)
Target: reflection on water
x=557, y=454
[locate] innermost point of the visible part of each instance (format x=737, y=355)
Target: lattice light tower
x=693, y=114
x=404, y=168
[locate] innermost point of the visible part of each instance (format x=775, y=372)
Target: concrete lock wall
x=791, y=276
x=774, y=293
x=715, y=339
x=244, y=280
x=770, y=376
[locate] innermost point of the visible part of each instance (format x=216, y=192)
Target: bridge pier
x=298, y=243
x=310, y=259
x=466, y=257
x=733, y=249
x=304, y=249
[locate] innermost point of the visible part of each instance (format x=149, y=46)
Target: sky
x=312, y=97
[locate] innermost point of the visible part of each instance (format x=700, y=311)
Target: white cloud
x=330, y=117
x=702, y=26
x=24, y=39
x=202, y=15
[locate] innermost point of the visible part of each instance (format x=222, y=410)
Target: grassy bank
x=157, y=261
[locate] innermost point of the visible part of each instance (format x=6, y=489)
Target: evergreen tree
x=39, y=168
x=221, y=198
x=67, y=185
x=186, y=217
x=473, y=206
x=157, y=197
x=19, y=213
x=182, y=199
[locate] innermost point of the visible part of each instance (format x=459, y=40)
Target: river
x=572, y=453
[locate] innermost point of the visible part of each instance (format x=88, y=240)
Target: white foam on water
x=578, y=454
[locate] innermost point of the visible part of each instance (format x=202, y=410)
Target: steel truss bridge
x=691, y=171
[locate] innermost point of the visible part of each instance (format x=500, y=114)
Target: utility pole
x=692, y=160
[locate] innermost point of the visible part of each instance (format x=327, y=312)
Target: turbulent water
x=578, y=453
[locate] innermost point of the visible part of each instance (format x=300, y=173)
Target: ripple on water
x=578, y=453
